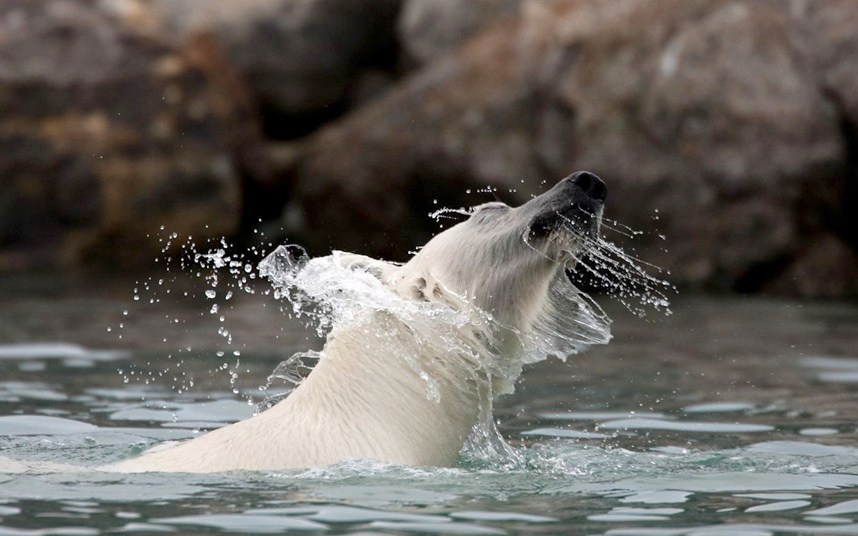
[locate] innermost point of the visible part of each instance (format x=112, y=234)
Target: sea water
x=730, y=416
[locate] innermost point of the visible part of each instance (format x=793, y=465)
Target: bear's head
x=503, y=259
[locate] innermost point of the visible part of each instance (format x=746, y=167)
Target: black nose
x=590, y=183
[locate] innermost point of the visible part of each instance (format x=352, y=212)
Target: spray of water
x=195, y=289
x=449, y=348
x=617, y=274
x=333, y=292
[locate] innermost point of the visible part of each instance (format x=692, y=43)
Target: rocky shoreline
x=728, y=127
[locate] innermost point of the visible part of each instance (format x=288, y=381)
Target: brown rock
x=429, y=29
x=109, y=133
x=825, y=268
x=833, y=47
x=833, y=43
x=300, y=57
x=710, y=112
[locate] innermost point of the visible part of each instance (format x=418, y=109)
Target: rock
x=709, y=112
x=719, y=125
x=833, y=50
x=300, y=57
x=109, y=133
x=429, y=29
x=833, y=42
x=826, y=268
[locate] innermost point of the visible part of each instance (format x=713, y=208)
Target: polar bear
x=485, y=296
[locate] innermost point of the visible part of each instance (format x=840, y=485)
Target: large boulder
x=833, y=49
x=429, y=29
x=304, y=59
x=109, y=133
x=707, y=118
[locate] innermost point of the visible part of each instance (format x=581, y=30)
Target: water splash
x=287, y=376
x=621, y=276
x=349, y=290
x=451, y=213
x=455, y=348
x=625, y=278
x=223, y=271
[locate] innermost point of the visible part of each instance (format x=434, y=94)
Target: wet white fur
x=359, y=404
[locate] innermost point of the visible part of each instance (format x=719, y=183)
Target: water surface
x=732, y=416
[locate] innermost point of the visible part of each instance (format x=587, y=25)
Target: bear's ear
x=382, y=270
x=428, y=289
